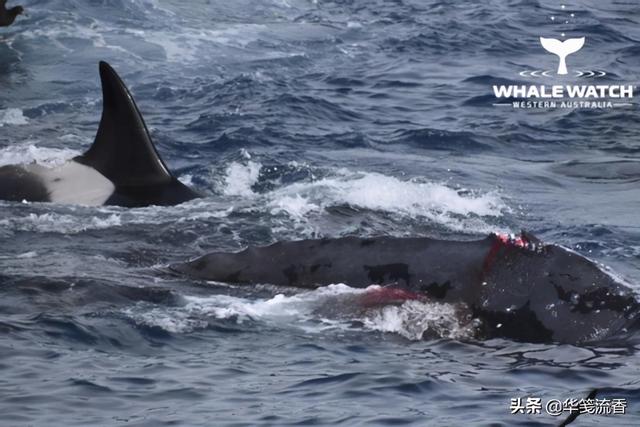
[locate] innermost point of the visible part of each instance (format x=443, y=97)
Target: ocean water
x=303, y=119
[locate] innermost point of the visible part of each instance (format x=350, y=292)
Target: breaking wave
x=457, y=209
x=337, y=307
x=12, y=116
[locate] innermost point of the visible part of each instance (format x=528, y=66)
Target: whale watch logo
x=562, y=49
x=564, y=86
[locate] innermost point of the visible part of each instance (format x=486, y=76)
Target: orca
x=514, y=287
x=122, y=167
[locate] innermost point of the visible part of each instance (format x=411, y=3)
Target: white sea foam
x=155, y=5
x=183, y=44
x=413, y=319
x=64, y=32
x=180, y=41
x=71, y=219
x=27, y=255
x=457, y=209
x=186, y=179
x=386, y=193
x=24, y=255
x=25, y=153
x=295, y=206
x=12, y=116
x=240, y=178
x=330, y=307
x=60, y=223
x=194, y=313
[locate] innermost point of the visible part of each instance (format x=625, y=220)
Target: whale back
x=553, y=294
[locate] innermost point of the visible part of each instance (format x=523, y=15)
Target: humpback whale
x=122, y=167
x=516, y=287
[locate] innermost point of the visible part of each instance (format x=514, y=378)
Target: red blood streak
x=388, y=295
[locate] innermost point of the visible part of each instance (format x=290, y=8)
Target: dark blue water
x=304, y=119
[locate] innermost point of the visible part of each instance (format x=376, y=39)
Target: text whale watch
x=122, y=167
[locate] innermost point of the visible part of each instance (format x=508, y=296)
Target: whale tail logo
x=562, y=49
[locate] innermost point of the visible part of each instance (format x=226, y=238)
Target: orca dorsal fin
x=123, y=151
